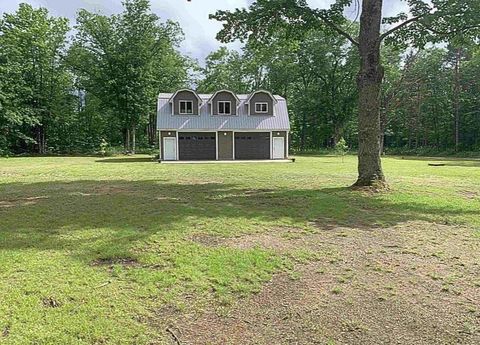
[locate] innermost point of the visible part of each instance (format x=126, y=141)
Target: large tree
x=125, y=60
x=35, y=87
x=427, y=21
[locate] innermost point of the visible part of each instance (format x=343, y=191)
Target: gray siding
x=262, y=97
x=164, y=134
x=225, y=145
x=224, y=96
x=185, y=96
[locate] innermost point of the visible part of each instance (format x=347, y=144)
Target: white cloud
x=199, y=30
x=12, y=5
x=323, y=4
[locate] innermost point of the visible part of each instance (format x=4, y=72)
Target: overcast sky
x=193, y=16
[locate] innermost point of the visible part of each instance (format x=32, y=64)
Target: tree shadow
x=98, y=219
x=128, y=160
x=447, y=161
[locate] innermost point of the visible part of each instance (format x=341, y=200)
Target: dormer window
x=262, y=103
x=186, y=107
x=223, y=102
x=261, y=107
x=185, y=102
x=224, y=108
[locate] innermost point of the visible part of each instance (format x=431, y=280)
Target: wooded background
x=65, y=93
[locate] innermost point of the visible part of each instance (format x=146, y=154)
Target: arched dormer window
x=223, y=102
x=185, y=102
x=261, y=102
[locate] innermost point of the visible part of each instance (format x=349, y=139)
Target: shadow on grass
x=128, y=160
x=448, y=161
x=97, y=219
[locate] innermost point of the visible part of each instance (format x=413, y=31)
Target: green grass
x=91, y=249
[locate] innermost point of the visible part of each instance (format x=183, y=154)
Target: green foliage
x=225, y=70
x=341, y=148
x=420, y=112
x=62, y=96
x=59, y=100
x=103, y=147
x=320, y=82
x=125, y=60
x=35, y=86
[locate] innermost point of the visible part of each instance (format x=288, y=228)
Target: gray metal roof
x=206, y=121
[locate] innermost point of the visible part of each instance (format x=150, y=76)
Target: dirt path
x=415, y=283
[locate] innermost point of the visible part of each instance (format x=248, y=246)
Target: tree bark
x=152, y=135
x=369, y=84
x=41, y=145
x=456, y=98
x=127, y=141
x=134, y=144
x=304, y=133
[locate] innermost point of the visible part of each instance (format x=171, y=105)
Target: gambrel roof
x=172, y=96
x=205, y=121
x=260, y=91
x=230, y=92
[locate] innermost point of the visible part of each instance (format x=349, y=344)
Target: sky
x=199, y=31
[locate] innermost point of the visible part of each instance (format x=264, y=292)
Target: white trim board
x=224, y=130
x=232, y=161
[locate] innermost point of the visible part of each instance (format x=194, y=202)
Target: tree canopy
x=62, y=93
x=429, y=22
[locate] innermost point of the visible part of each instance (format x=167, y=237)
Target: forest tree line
x=66, y=91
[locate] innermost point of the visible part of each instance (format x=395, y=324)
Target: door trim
x=282, y=139
x=271, y=145
x=174, y=139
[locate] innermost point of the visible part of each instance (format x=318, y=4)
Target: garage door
x=197, y=146
x=252, y=145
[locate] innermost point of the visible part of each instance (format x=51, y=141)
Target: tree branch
x=337, y=28
x=451, y=32
x=398, y=27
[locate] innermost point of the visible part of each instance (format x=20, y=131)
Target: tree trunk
x=383, y=129
x=44, y=141
x=152, y=130
x=41, y=145
x=337, y=133
x=369, y=84
x=127, y=141
x=382, y=144
x=133, y=140
x=303, y=137
x=456, y=98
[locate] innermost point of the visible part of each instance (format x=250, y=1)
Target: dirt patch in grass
x=280, y=239
x=414, y=283
x=126, y=262
x=50, y=302
x=469, y=194
x=207, y=240
x=21, y=201
x=103, y=190
x=264, y=241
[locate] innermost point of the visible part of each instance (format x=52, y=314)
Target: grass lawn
x=128, y=251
